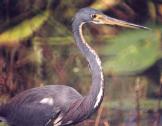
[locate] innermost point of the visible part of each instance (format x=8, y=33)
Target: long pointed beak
x=112, y=21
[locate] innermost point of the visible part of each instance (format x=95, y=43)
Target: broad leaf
x=23, y=30
x=132, y=52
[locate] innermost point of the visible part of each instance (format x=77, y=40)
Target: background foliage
x=37, y=48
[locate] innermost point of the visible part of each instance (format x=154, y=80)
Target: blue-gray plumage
x=59, y=105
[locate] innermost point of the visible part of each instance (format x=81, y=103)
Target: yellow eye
x=93, y=15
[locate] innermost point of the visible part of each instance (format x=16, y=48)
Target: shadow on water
x=117, y=117
x=130, y=118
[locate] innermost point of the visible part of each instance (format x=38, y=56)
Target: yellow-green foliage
x=23, y=30
x=132, y=52
x=2, y=124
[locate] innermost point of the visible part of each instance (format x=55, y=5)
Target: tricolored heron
x=60, y=105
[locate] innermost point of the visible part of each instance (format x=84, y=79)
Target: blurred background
x=37, y=48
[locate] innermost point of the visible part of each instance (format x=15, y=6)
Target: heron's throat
x=96, y=90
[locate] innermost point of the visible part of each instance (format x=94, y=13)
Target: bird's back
x=35, y=107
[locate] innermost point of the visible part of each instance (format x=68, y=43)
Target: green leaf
x=58, y=40
x=55, y=40
x=24, y=30
x=132, y=52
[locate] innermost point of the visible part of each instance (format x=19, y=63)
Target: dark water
x=127, y=118
x=134, y=118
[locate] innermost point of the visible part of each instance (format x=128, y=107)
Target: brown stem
x=98, y=116
x=159, y=101
x=137, y=89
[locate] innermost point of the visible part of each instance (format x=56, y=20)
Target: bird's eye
x=93, y=15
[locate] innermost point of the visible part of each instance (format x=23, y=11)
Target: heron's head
x=87, y=15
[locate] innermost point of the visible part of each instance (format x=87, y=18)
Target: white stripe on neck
x=100, y=94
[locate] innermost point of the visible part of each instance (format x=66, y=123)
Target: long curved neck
x=95, y=96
